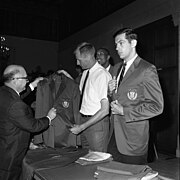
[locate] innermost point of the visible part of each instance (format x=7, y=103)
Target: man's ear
x=133, y=43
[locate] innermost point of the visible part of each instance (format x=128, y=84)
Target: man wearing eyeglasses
x=17, y=122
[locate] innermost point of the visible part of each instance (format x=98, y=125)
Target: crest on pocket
x=65, y=104
x=132, y=94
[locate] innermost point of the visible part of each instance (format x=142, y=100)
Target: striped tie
x=122, y=72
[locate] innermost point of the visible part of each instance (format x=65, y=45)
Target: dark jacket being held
x=62, y=93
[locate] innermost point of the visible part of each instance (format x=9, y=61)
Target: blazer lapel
x=13, y=92
x=131, y=69
x=62, y=86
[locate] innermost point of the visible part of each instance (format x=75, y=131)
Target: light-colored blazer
x=141, y=96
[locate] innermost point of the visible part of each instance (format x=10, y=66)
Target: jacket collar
x=133, y=66
x=12, y=91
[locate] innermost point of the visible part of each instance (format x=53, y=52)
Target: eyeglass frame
x=25, y=78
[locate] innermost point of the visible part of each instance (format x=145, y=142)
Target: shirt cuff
x=31, y=86
x=49, y=120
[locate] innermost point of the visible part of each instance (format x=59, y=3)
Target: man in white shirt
x=94, y=108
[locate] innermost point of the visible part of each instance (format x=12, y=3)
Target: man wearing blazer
x=16, y=123
x=136, y=98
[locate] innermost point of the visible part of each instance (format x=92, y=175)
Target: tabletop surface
x=52, y=164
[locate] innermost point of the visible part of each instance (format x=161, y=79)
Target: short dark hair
x=105, y=49
x=129, y=33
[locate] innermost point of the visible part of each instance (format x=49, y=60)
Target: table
x=59, y=164
x=49, y=159
x=168, y=168
x=73, y=171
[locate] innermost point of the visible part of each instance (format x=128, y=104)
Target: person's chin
x=120, y=54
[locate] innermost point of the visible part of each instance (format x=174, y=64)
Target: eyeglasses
x=25, y=78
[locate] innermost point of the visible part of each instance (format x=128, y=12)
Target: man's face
x=83, y=61
x=123, y=46
x=21, y=81
x=102, y=57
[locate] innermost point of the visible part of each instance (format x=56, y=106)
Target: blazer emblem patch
x=65, y=104
x=132, y=94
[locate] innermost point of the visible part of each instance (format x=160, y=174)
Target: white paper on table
x=96, y=156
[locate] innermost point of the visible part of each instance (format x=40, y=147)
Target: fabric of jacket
x=62, y=93
x=141, y=96
x=16, y=124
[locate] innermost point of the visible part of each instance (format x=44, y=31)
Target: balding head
x=15, y=77
x=10, y=71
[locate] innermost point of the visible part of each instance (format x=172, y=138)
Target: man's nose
x=78, y=63
x=117, y=47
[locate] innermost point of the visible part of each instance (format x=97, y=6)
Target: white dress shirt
x=95, y=90
x=108, y=68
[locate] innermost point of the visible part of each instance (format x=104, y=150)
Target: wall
x=137, y=14
x=158, y=44
x=32, y=53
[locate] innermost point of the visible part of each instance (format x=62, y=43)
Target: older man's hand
x=52, y=113
x=36, y=81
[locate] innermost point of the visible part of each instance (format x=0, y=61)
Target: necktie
x=122, y=72
x=82, y=92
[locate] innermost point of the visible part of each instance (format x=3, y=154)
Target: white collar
x=17, y=92
x=131, y=61
x=95, y=66
x=128, y=64
x=108, y=67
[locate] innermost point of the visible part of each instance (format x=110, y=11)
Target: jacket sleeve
x=21, y=116
x=26, y=92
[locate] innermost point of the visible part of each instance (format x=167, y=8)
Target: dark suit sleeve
x=26, y=92
x=150, y=102
x=21, y=116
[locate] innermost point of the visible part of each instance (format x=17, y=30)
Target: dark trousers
x=95, y=137
x=117, y=156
